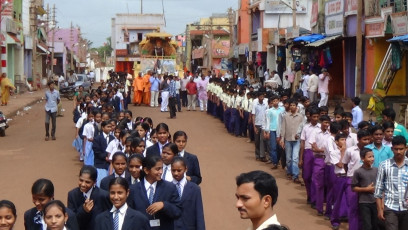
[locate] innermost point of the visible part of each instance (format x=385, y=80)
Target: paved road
x=25, y=157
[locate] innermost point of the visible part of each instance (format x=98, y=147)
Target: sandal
x=47, y=138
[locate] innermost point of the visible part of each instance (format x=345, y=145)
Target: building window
x=398, y=5
x=139, y=36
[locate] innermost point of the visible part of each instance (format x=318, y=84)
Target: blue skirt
x=77, y=144
x=89, y=154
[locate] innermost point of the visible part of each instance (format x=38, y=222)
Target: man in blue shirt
x=356, y=112
x=52, y=98
x=154, y=90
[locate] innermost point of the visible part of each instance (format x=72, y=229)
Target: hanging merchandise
x=328, y=58
x=395, y=57
x=296, y=55
x=322, y=63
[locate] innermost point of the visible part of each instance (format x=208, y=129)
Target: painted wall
x=349, y=66
x=376, y=49
x=243, y=23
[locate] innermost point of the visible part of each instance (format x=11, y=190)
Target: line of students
x=329, y=151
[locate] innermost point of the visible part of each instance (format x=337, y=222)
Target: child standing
x=388, y=128
x=381, y=152
x=364, y=184
x=270, y=128
x=101, y=159
x=192, y=216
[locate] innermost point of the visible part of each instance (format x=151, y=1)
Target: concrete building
x=128, y=30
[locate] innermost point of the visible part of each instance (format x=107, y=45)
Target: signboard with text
x=285, y=6
x=350, y=7
x=374, y=30
x=399, y=23
x=334, y=19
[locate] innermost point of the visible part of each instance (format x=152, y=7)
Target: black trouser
x=183, y=95
x=172, y=106
x=395, y=220
x=53, y=117
x=368, y=216
x=178, y=102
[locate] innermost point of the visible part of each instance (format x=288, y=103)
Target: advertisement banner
x=315, y=13
x=220, y=48
x=334, y=25
x=285, y=6
x=399, y=23
x=350, y=7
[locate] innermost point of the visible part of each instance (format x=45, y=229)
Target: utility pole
x=211, y=44
x=141, y=6
x=54, y=24
x=71, y=37
x=294, y=15
x=359, y=46
x=33, y=27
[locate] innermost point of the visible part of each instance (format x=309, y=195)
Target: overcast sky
x=94, y=16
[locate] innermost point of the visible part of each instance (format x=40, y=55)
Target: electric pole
x=54, y=24
x=359, y=46
x=33, y=23
x=141, y=6
x=71, y=36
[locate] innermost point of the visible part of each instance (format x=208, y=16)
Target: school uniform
x=192, y=216
x=30, y=224
x=129, y=219
x=165, y=192
x=99, y=147
x=105, y=181
x=89, y=133
x=76, y=199
x=193, y=167
x=155, y=150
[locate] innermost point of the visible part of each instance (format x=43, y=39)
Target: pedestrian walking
x=164, y=89
x=6, y=87
x=172, y=97
x=312, y=86
x=202, y=93
x=154, y=90
x=323, y=87
x=52, y=98
x=259, y=114
x=191, y=94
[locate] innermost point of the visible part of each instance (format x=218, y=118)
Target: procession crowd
x=139, y=176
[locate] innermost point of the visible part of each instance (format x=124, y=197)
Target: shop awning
x=12, y=39
x=323, y=41
x=43, y=48
x=309, y=38
x=402, y=38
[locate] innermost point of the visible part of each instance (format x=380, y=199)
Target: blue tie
x=164, y=173
x=116, y=220
x=178, y=189
x=37, y=217
x=151, y=194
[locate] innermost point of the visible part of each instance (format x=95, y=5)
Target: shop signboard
x=315, y=13
x=242, y=48
x=334, y=19
x=198, y=53
x=374, y=28
x=350, y=7
x=285, y=6
x=399, y=23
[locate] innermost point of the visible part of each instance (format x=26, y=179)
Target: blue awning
x=402, y=38
x=309, y=38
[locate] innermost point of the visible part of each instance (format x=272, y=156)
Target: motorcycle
x=3, y=124
x=67, y=92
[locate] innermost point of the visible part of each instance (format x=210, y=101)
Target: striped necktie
x=151, y=194
x=164, y=173
x=37, y=217
x=179, y=189
x=116, y=220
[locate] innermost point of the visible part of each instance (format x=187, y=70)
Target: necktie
x=37, y=217
x=151, y=194
x=85, y=197
x=164, y=173
x=178, y=189
x=116, y=220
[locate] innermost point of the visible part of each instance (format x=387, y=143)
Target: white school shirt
x=89, y=130
x=112, y=147
x=308, y=131
x=319, y=137
x=334, y=155
x=244, y=104
x=352, y=159
x=351, y=140
x=122, y=213
x=169, y=176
